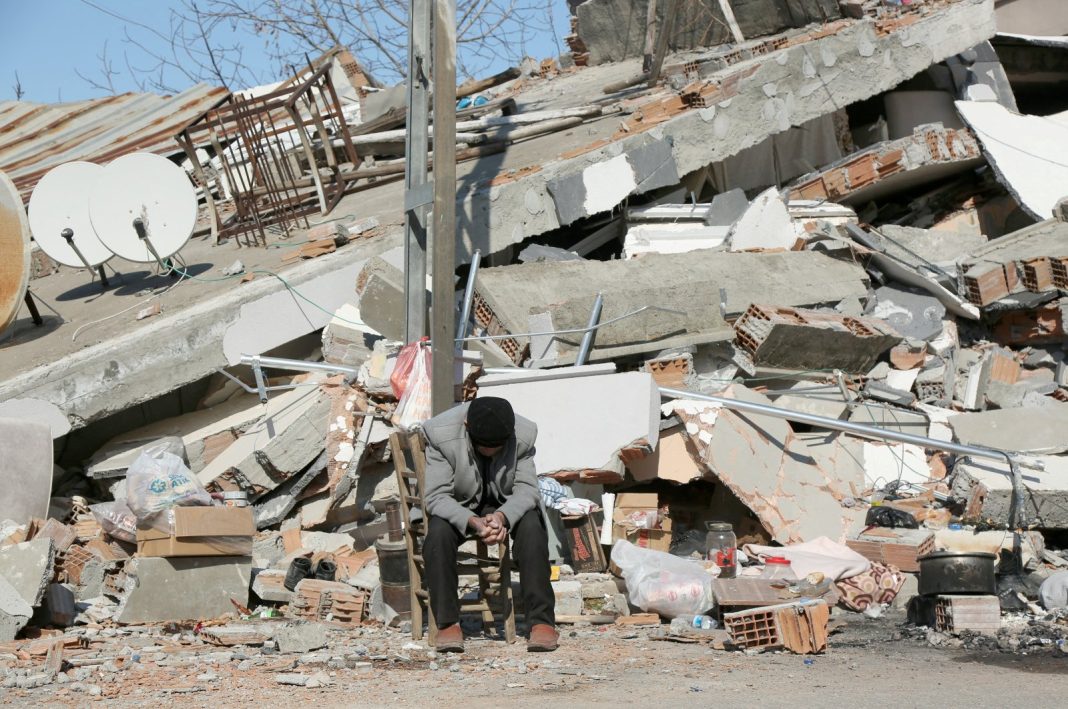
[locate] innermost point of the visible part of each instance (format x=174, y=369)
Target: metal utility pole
x=443, y=233
x=418, y=193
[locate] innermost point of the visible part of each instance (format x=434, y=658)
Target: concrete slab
x=191, y=588
x=769, y=469
x=1027, y=430
x=585, y=423
x=674, y=460
x=813, y=398
x=1029, y=154
x=29, y=567
x=301, y=638
x=912, y=314
x=269, y=586
x=689, y=283
x=25, y=469
x=347, y=339
x=890, y=417
x=15, y=612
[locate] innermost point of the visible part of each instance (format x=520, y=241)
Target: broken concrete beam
x=29, y=567
x=891, y=417
x=772, y=471
x=642, y=239
x=25, y=469
x=692, y=284
x=276, y=448
x=15, y=612
x=814, y=398
x=1025, y=430
x=931, y=153
x=380, y=288
x=587, y=426
x=1030, y=259
x=986, y=488
x=347, y=339
x=805, y=339
x=276, y=507
x=915, y=315
x=190, y=588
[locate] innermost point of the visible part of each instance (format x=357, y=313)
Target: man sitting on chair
x=480, y=481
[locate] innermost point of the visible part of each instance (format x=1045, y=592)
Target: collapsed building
x=833, y=208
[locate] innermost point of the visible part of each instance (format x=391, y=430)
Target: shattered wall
x=615, y=29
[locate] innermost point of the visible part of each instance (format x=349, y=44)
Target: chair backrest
x=409, y=462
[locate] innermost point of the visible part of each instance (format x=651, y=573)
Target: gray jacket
x=452, y=477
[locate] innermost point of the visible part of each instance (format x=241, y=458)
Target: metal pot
x=957, y=572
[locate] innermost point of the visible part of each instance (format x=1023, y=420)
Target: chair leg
x=415, y=583
x=483, y=589
x=506, y=593
x=431, y=627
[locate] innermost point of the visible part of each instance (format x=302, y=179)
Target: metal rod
x=591, y=331
x=257, y=371
x=297, y=365
x=850, y=427
x=469, y=297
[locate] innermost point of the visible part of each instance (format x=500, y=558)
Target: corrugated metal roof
x=34, y=138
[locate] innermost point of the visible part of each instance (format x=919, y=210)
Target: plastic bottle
x=690, y=623
x=722, y=547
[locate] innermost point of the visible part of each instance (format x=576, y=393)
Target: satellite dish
x=60, y=202
x=143, y=207
x=14, y=251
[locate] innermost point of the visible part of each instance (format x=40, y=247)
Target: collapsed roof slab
x=692, y=285
x=743, y=104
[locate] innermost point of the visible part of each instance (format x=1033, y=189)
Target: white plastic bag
x=414, y=406
x=116, y=519
x=658, y=582
x=159, y=480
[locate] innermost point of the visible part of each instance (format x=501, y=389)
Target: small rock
x=244, y=665
x=93, y=690
x=296, y=680
x=434, y=666
x=207, y=677
x=522, y=668
x=319, y=679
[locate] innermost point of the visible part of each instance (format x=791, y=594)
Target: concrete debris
x=190, y=588
x=1027, y=430
x=790, y=338
x=15, y=612
x=29, y=567
x=1034, y=260
x=765, y=225
x=347, y=339
x=301, y=638
x=909, y=313
x=1029, y=154
x=25, y=469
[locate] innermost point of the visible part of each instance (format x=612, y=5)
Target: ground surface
x=869, y=663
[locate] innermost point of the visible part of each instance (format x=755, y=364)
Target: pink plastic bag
x=415, y=404
x=402, y=370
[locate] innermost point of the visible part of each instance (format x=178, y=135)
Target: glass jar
x=721, y=546
x=778, y=567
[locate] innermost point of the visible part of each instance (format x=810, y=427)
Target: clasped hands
x=492, y=529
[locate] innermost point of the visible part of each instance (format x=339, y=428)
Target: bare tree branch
x=17, y=88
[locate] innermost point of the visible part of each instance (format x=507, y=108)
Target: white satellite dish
x=59, y=215
x=14, y=251
x=143, y=207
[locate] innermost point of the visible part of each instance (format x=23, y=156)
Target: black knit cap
x=490, y=421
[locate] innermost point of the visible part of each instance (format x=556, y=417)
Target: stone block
x=29, y=568
x=191, y=588
x=301, y=638
x=269, y=586
x=15, y=612
x=25, y=469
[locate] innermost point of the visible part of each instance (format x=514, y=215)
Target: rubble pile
x=810, y=394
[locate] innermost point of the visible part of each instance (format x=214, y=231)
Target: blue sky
x=44, y=41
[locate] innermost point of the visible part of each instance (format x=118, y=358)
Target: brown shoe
x=450, y=639
x=543, y=638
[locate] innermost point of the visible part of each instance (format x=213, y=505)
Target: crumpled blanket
x=835, y=561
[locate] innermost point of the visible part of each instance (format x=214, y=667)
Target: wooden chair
x=494, y=575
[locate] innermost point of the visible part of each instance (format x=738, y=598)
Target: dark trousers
x=530, y=552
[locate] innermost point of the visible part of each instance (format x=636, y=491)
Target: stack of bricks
x=328, y=602
x=980, y=614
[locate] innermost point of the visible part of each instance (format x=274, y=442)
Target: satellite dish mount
x=68, y=236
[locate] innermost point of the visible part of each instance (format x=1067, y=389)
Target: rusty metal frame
x=268, y=185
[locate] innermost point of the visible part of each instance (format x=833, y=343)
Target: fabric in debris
x=821, y=555
x=552, y=492
x=576, y=506
x=878, y=585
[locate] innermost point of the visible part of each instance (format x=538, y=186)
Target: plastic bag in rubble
x=414, y=406
x=116, y=519
x=159, y=480
x=658, y=582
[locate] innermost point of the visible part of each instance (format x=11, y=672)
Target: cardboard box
x=583, y=544
x=648, y=538
x=201, y=531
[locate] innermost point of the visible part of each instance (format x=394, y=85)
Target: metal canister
x=235, y=498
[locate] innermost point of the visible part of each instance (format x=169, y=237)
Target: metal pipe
x=855, y=428
x=298, y=365
x=469, y=297
x=591, y=331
